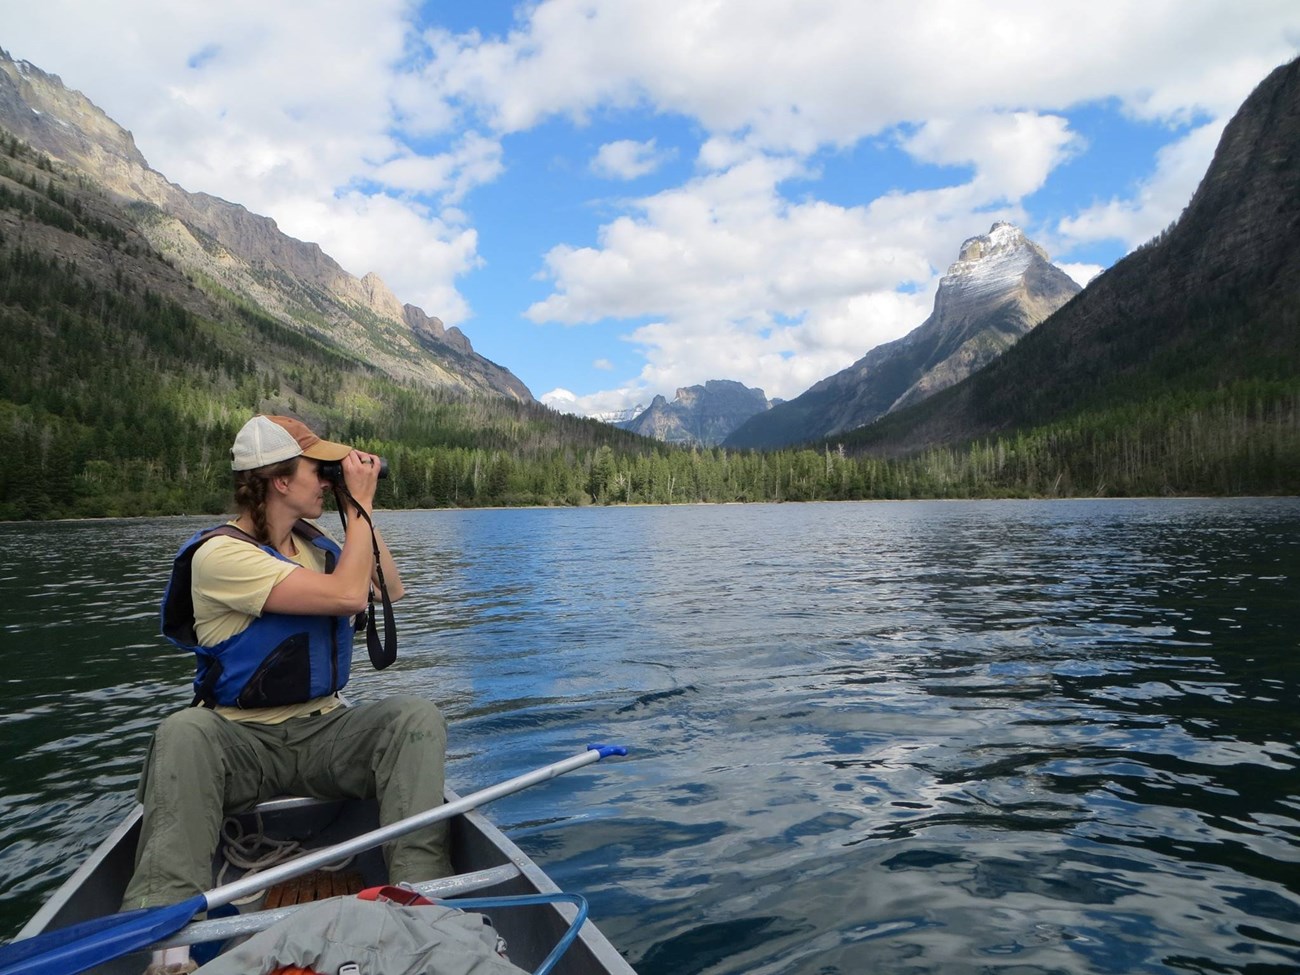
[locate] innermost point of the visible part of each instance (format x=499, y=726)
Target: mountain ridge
x=125, y=371
x=242, y=251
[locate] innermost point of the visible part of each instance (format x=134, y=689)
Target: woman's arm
x=346, y=590
x=392, y=578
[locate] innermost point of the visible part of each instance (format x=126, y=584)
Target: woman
x=267, y=603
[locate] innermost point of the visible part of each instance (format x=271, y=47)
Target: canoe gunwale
x=504, y=870
x=93, y=863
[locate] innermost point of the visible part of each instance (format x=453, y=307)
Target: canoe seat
x=314, y=887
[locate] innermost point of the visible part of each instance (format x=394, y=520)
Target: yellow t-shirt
x=231, y=582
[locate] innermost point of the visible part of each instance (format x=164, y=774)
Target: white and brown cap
x=271, y=439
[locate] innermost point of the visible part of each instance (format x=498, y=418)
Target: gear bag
x=371, y=937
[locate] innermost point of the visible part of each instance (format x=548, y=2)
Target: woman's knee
x=193, y=729
x=416, y=721
x=184, y=745
x=416, y=711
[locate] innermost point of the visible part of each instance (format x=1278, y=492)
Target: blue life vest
x=279, y=658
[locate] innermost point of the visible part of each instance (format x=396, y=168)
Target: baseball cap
x=271, y=439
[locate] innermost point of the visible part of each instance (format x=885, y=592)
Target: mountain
x=702, y=415
x=1210, y=308
x=227, y=249
x=1001, y=286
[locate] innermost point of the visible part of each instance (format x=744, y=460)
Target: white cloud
x=561, y=399
x=746, y=284
x=836, y=72
x=337, y=121
x=628, y=159
x=1081, y=273
x=749, y=286
x=601, y=404
x=603, y=364
x=419, y=254
x=1012, y=153
x=1159, y=199
x=475, y=161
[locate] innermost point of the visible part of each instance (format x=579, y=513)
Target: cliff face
x=1001, y=286
x=240, y=251
x=702, y=415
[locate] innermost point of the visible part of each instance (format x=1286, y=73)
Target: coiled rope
x=254, y=851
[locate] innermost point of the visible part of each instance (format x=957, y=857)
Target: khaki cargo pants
x=201, y=766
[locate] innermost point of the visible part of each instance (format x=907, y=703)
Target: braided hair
x=251, y=489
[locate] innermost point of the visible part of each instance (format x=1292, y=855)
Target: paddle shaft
x=251, y=884
x=90, y=943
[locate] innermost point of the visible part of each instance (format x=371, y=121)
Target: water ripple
x=906, y=737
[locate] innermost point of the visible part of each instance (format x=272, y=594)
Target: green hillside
x=123, y=383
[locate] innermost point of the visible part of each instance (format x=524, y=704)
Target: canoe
x=487, y=864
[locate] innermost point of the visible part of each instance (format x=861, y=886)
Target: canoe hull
x=478, y=849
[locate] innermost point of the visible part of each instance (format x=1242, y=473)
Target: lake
x=922, y=737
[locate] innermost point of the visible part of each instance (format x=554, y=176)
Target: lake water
x=1012, y=737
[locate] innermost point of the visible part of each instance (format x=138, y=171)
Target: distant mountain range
x=619, y=418
x=241, y=254
x=1001, y=286
x=703, y=415
x=1013, y=343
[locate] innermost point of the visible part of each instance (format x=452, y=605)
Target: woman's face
x=307, y=489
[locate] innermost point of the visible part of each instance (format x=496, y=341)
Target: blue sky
x=616, y=198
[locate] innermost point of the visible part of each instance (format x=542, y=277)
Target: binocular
x=332, y=470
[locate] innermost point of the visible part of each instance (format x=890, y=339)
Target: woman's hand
x=361, y=477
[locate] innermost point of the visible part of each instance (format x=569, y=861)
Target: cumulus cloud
x=628, y=159
x=559, y=398
x=744, y=283
x=419, y=254
x=747, y=284
x=831, y=75
x=606, y=404
x=353, y=127
x=474, y=161
x=1012, y=153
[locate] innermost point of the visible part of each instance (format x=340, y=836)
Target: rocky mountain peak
x=1002, y=238
x=990, y=263
x=1001, y=286
x=1207, y=305
x=702, y=415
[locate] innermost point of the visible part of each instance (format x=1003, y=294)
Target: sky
x=617, y=198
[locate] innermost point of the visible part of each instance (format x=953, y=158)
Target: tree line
x=116, y=400
x=121, y=404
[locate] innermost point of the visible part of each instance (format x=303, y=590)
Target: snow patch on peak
x=619, y=417
x=992, y=262
x=1002, y=237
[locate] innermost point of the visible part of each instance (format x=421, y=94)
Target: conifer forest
x=118, y=401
